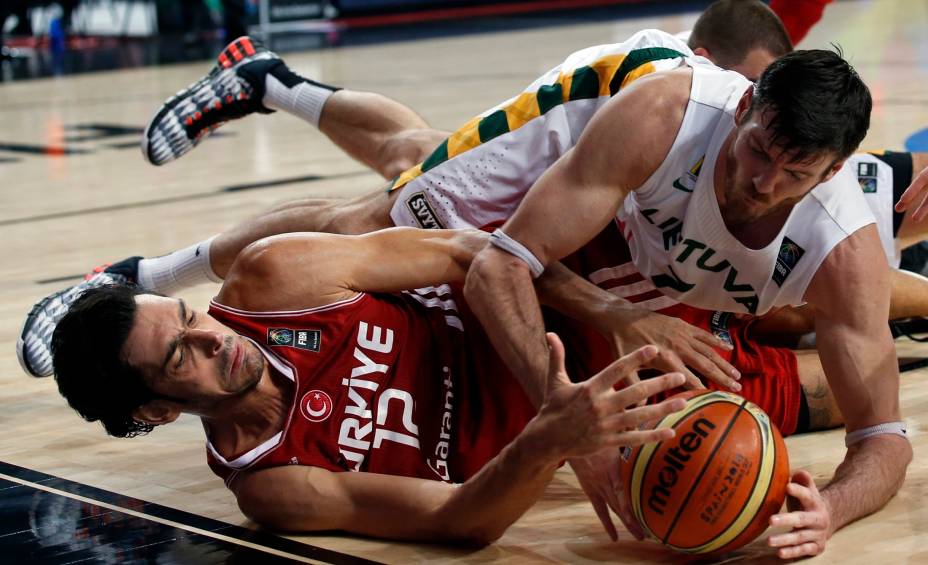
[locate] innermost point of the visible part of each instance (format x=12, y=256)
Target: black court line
x=172, y=199
x=48, y=150
x=65, y=278
x=97, y=132
x=123, y=145
x=912, y=363
x=49, y=527
x=272, y=183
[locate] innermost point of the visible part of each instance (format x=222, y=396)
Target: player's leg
x=819, y=409
x=381, y=133
x=362, y=214
x=205, y=261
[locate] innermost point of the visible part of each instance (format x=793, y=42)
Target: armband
x=889, y=428
x=502, y=241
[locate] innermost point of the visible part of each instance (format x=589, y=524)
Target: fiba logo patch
x=790, y=254
x=316, y=405
x=310, y=340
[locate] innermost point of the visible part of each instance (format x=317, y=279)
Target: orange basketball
x=713, y=486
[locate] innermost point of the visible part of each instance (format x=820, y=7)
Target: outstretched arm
x=570, y=203
x=859, y=359
x=304, y=270
x=575, y=420
x=566, y=207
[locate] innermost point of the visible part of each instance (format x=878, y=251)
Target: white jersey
x=679, y=241
x=479, y=175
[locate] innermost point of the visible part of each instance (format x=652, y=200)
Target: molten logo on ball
x=675, y=461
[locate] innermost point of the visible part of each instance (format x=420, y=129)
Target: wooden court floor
x=76, y=192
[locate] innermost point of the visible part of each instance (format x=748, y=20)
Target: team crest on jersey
x=310, y=340
x=422, y=210
x=687, y=183
x=866, y=176
x=316, y=406
x=790, y=254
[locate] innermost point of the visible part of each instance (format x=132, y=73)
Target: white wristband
x=889, y=428
x=513, y=247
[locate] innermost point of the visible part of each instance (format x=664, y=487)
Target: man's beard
x=745, y=205
x=250, y=369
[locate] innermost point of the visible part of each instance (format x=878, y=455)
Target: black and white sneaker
x=33, y=348
x=915, y=328
x=233, y=89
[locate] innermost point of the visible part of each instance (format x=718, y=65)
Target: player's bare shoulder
x=633, y=133
x=291, y=271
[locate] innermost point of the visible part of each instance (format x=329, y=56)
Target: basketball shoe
x=33, y=348
x=231, y=90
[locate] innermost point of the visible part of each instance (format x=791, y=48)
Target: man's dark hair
x=730, y=29
x=819, y=104
x=90, y=369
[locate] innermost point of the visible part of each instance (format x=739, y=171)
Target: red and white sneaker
x=233, y=89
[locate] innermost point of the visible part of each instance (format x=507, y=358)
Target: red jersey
x=403, y=384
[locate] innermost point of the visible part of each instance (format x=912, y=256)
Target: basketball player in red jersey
x=330, y=405
x=349, y=228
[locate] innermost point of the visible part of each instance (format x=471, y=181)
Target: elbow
x=456, y=530
x=280, y=514
x=255, y=512
x=485, y=537
x=491, y=270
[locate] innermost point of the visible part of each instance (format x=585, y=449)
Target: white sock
x=304, y=99
x=178, y=270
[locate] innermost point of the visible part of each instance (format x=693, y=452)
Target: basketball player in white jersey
x=730, y=198
x=331, y=401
